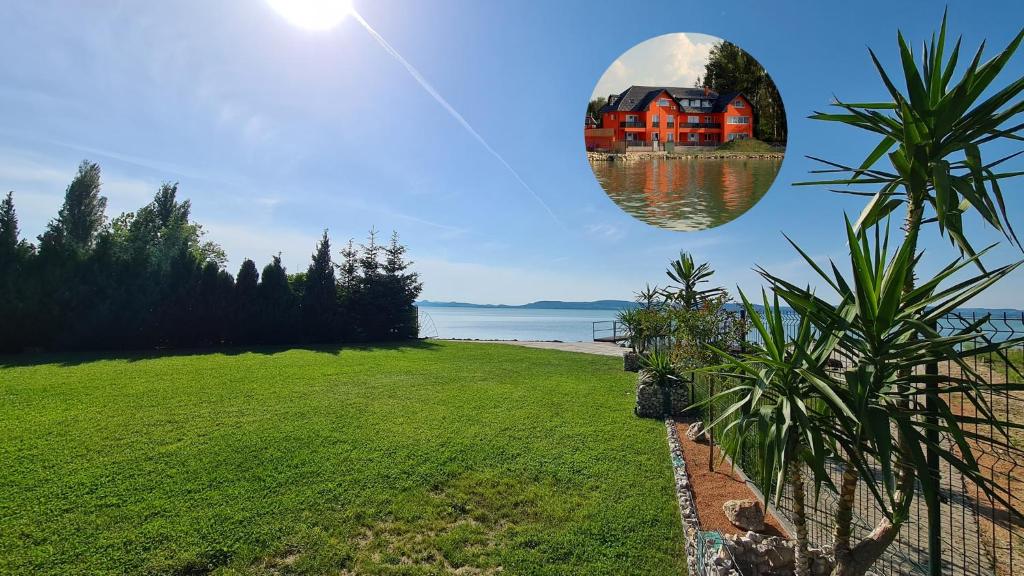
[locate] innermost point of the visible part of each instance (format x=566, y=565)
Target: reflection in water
x=687, y=194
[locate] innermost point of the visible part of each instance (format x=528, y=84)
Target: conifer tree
x=8, y=229
x=246, y=305
x=320, y=297
x=277, y=304
x=81, y=216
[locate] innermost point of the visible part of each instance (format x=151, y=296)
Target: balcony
x=632, y=124
x=670, y=125
x=700, y=125
x=655, y=124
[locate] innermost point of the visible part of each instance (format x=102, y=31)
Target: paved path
x=601, y=348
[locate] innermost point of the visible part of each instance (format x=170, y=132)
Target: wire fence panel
x=978, y=535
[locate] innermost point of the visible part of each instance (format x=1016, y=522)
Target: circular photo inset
x=685, y=131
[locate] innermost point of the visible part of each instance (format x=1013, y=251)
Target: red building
x=653, y=115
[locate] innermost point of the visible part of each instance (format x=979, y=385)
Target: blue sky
x=276, y=133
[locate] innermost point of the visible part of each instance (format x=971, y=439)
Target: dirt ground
x=712, y=489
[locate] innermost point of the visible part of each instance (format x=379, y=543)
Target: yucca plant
x=933, y=132
x=770, y=400
x=657, y=368
x=689, y=277
x=887, y=412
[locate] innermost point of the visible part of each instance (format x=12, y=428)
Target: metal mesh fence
x=978, y=535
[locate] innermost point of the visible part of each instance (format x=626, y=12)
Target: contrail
x=452, y=111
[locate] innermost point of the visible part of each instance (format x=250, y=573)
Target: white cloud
x=605, y=231
x=668, y=60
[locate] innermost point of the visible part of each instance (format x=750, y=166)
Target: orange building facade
x=651, y=116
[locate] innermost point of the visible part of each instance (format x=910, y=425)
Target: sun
x=313, y=14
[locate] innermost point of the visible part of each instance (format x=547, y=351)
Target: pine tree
x=320, y=296
x=369, y=261
x=276, y=304
x=399, y=293
x=8, y=229
x=731, y=69
x=349, y=267
x=246, y=312
x=13, y=256
x=81, y=216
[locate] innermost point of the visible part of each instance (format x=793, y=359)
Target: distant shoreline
x=603, y=305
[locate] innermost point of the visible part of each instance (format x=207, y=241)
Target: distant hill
x=625, y=304
x=541, y=304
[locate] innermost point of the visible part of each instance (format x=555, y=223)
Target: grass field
x=430, y=458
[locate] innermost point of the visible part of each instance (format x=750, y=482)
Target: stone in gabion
x=648, y=400
x=680, y=400
x=695, y=432
x=759, y=555
x=631, y=361
x=745, y=514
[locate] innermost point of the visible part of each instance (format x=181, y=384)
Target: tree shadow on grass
x=76, y=358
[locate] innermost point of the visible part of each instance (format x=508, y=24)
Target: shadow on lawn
x=75, y=358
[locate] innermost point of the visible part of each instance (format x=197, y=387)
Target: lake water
x=510, y=323
x=685, y=193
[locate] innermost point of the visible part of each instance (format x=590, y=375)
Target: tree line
x=147, y=279
x=731, y=69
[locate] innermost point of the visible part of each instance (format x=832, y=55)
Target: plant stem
x=799, y=520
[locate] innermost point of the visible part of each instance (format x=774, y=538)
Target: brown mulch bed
x=712, y=489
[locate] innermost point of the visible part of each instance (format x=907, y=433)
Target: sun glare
x=313, y=14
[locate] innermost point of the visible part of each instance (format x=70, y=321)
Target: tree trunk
x=802, y=567
x=857, y=560
x=844, y=519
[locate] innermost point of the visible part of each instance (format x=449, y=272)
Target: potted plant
x=660, y=391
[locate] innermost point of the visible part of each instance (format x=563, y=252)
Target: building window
x=671, y=119
x=630, y=136
x=630, y=118
x=655, y=137
x=663, y=102
x=693, y=119
x=737, y=103
x=739, y=119
x=693, y=136
x=671, y=137
x=707, y=119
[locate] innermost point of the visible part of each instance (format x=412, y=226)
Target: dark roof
x=636, y=98
x=724, y=100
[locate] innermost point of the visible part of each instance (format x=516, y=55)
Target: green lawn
x=423, y=459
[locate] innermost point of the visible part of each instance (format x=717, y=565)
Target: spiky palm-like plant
x=689, y=277
x=772, y=401
x=887, y=412
x=933, y=133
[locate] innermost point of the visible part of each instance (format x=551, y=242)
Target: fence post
x=934, y=511
x=708, y=428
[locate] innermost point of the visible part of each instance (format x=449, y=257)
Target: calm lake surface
x=686, y=193
x=510, y=323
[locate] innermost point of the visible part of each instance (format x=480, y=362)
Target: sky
x=675, y=59
x=276, y=133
